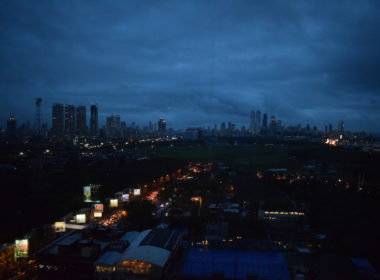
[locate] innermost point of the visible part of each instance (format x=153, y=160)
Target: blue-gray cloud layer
x=194, y=62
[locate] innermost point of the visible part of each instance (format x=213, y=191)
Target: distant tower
x=273, y=124
x=258, y=120
x=162, y=126
x=80, y=119
x=70, y=120
x=265, y=121
x=37, y=117
x=94, y=120
x=253, y=121
x=58, y=120
x=11, y=128
x=341, y=126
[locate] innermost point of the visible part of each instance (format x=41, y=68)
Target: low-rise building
x=280, y=211
x=103, y=253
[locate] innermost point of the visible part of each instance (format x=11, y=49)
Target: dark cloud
x=194, y=62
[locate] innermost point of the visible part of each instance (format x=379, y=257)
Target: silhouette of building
x=265, y=121
x=70, y=120
x=81, y=120
x=273, y=125
x=258, y=120
x=113, y=126
x=57, y=120
x=341, y=126
x=94, y=120
x=11, y=128
x=37, y=118
x=252, y=125
x=162, y=126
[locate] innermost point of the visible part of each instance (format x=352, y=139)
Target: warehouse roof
x=152, y=246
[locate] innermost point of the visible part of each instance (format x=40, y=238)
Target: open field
x=255, y=156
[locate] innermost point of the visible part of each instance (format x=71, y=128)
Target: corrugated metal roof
x=148, y=246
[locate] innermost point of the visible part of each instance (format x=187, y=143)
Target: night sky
x=195, y=63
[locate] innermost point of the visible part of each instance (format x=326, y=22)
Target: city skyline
x=73, y=119
x=203, y=61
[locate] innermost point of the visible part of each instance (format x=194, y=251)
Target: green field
x=258, y=156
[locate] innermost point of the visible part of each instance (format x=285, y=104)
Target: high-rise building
x=341, y=126
x=252, y=125
x=330, y=128
x=258, y=120
x=11, y=128
x=81, y=120
x=94, y=120
x=273, y=125
x=265, y=121
x=113, y=126
x=70, y=120
x=57, y=120
x=150, y=127
x=162, y=126
x=223, y=127
x=37, y=117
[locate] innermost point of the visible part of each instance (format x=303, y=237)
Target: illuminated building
x=162, y=126
x=94, y=120
x=81, y=120
x=104, y=253
x=11, y=128
x=69, y=120
x=280, y=211
x=57, y=120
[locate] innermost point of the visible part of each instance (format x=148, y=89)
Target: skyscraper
x=81, y=120
x=162, y=126
x=37, y=117
x=94, y=120
x=265, y=121
x=113, y=126
x=11, y=128
x=258, y=120
x=341, y=126
x=70, y=120
x=273, y=125
x=252, y=125
x=57, y=120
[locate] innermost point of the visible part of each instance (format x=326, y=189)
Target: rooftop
x=235, y=264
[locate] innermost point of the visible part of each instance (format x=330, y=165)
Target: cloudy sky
x=194, y=62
